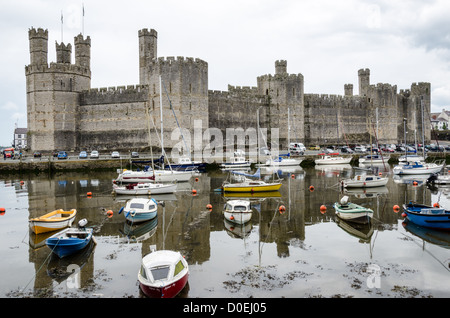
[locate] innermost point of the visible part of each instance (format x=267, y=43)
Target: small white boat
x=163, y=274
x=374, y=159
x=237, y=161
x=364, y=181
x=238, y=211
x=282, y=161
x=410, y=158
x=154, y=176
x=352, y=212
x=145, y=188
x=332, y=159
x=52, y=221
x=418, y=167
x=140, y=210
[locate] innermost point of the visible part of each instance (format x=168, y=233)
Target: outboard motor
x=432, y=178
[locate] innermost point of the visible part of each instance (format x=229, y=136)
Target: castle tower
x=364, y=81
x=348, y=90
x=38, y=46
x=83, y=51
x=285, y=94
x=63, y=53
x=53, y=92
x=147, y=52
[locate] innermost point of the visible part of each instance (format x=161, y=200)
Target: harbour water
x=297, y=252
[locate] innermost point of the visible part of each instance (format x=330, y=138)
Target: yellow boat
x=52, y=221
x=251, y=186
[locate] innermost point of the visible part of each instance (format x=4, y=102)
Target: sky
x=327, y=41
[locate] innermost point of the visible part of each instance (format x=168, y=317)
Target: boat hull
x=158, y=176
x=140, y=216
x=354, y=213
x=364, y=184
x=424, y=169
x=332, y=161
x=426, y=216
x=44, y=224
x=251, y=188
x=151, y=189
x=168, y=291
x=238, y=217
x=65, y=246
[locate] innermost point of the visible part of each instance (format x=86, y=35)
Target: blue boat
x=427, y=216
x=140, y=209
x=70, y=240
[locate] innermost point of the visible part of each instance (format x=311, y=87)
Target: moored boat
x=163, y=274
x=418, y=167
x=140, y=209
x=364, y=181
x=374, y=159
x=238, y=211
x=427, y=216
x=351, y=211
x=145, y=188
x=55, y=220
x=332, y=159
x=131, y=176
x=70, y=240
x=237, y=161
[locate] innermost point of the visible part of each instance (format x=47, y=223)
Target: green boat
x=352, y=212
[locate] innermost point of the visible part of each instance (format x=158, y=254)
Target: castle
x=65, y=113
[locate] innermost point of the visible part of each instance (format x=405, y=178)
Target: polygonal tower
x=147, y=52
x=53, y=92
x=285, y=93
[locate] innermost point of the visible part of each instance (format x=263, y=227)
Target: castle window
x=267, y=91
x=293, y=91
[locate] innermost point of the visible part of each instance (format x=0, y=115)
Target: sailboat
x=284, y=160
x=250, y=185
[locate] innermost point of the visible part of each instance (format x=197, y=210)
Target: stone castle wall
x=64, y=112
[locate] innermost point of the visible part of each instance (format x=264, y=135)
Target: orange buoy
x=109, y=213
x=196, y=179
x=89, y=194
x=209, y=206
x=292, y=176
x=311, y=188
x=404, y=214
x=436, y=205
x=396, y=208
x=21, y=182
x=194, y=192
x=282, y=208
x=2, y=211
x=380, y=174
x=231, y=217
x=415, y=183
x=323, y=209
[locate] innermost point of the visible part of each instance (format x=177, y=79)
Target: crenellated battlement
x=57, y=68
x=114, y=95
x=145, y=32
x=170, y=60
x=37, y=33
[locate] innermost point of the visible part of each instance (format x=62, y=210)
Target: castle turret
x=83, y=51
x=147, y=52
x=348, y=90
x=364, y=81
x=63, y=53
x=280, y=67
x=38, y=46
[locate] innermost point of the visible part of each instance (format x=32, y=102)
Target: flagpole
x=83, y=21
x=62, y=34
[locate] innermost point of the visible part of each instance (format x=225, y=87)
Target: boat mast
x=161, y=115
x=423, y=128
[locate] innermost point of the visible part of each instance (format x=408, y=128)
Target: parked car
x=346, y=149
x=94, y=154
x=297, y=148
x=115, y=154
x=62, y=155
x=134, y=154
x=55, y=153
x=314, y=147
x=37, y=154
x=82, y=155
x=360, y=149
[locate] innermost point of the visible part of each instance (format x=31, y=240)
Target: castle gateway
x=65, y=113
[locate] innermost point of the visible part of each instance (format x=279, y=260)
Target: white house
x=440, y=121
x=20, y=138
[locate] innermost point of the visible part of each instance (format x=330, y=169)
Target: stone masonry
x=65, y=113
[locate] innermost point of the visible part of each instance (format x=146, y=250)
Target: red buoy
x=396, y=208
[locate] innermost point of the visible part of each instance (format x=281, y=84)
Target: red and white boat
x=163, y=274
